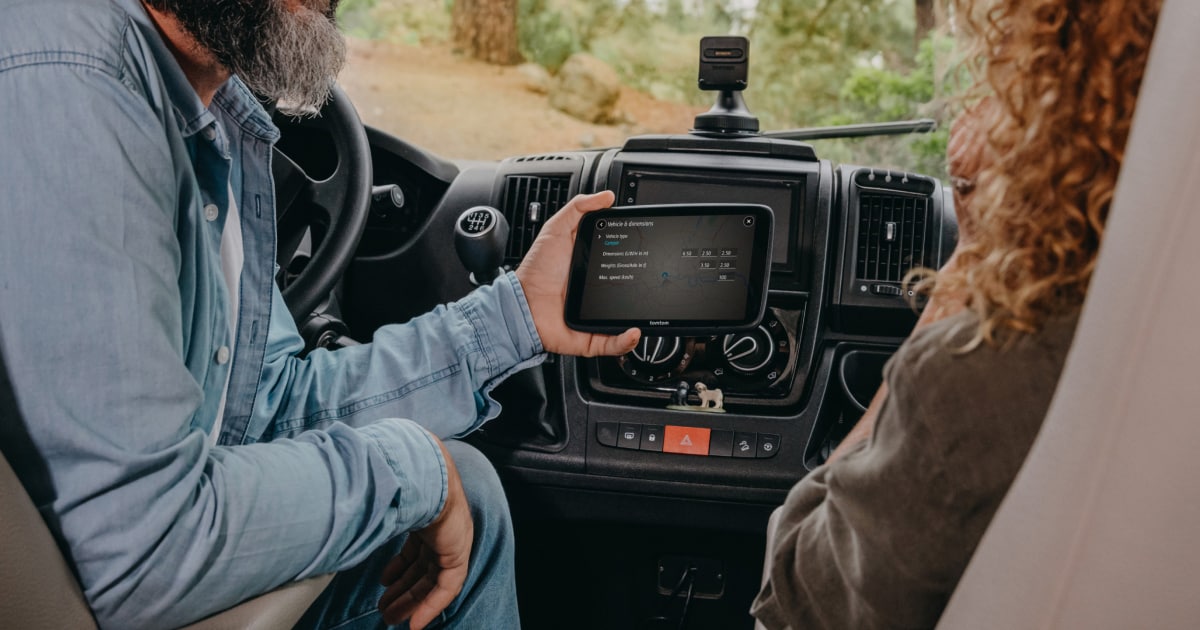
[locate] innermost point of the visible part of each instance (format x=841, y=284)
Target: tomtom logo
x=659, y=322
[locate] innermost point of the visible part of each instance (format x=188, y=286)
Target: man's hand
x=543, y=276
x=432, y=566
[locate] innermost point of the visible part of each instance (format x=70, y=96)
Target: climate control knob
x=655, y=359
x=657, y=350
x=749, y=352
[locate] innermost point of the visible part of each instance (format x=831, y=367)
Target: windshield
x=488, y=79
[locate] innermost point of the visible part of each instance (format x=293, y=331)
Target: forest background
x=812, y=62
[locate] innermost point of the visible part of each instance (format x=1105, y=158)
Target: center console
x=762, y=369
x=744, y=414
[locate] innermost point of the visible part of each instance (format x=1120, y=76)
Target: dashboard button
x=720, y=444
x=768, y=445
x=745, y=444
x=652, y=438
x=629, y=436
x=606, y=433
x=685, y=440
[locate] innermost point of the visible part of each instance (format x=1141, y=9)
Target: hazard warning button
x=685, y=440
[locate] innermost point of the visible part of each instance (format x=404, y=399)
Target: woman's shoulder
x=944, y=349
x=986, y=393
x=972, y=414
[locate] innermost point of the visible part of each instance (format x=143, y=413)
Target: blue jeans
x=489, y=595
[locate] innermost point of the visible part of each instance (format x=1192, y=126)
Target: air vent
x=549, y=157
x=529, y=200
x=894, y=235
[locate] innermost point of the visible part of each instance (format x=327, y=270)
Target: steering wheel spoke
x=327, y=196
x=329, y=214
x=291, y=182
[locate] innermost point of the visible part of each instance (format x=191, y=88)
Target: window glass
x=487, y=79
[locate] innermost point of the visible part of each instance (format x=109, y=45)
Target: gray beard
x=288, y=56
x=300, y=56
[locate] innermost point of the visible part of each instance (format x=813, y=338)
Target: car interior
x=632, y=515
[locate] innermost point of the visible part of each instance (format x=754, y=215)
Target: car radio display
x=780, y=195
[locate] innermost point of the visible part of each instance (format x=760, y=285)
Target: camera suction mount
x=724, y=67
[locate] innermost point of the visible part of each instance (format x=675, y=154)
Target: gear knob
x=480, y=237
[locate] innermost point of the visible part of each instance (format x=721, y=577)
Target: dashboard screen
x=670, y=267
x=780, y=195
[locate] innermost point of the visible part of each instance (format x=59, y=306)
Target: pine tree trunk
x=486, y=30
x=926, y=19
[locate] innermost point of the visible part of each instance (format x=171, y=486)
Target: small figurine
x=714, y=396
x=711, y=400
x=680, y=397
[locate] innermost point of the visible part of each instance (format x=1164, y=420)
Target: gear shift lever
x=480, y=237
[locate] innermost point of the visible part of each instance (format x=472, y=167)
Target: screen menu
x=778, y=195
x=669, y=267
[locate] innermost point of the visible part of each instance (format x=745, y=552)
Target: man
x=183, y=455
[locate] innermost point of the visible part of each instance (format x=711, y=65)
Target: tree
x=807, y=49
x=486, y=30
x=926, y=19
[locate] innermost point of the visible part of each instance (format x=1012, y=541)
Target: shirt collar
x=190, y=113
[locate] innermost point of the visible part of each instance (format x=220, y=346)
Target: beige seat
x=38, y=590
x=1100, y=527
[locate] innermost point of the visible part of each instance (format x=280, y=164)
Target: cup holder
x=860, y=373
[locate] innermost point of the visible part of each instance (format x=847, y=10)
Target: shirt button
x=210, y=134
x=211, y=212
x=222, y=355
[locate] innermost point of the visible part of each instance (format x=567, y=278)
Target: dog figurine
x=714, y=396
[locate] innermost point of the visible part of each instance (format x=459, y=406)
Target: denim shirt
x=114, y=187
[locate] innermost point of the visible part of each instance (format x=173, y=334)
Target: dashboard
x=631, y=429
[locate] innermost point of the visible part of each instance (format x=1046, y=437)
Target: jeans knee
x=485, y=495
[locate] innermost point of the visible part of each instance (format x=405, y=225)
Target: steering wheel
x=331, y=211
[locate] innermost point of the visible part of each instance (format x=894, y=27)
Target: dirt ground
x=460, y=108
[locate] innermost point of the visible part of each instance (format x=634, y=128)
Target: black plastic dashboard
x=600, y=427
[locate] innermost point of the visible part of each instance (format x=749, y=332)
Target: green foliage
x=550, y=31
x=350, y=7
x=659, y=60
x=354, y=16
x=803, y=51
x=547, y=36
x=812, y=62
x=655, y=50
x=407, y=21
x=873, y=93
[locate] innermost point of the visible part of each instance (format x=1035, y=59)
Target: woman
x=880, y=535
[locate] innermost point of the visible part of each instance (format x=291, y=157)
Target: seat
x=1099, y=528
x=38, y=589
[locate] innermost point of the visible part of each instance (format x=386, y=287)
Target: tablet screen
x=695, y=266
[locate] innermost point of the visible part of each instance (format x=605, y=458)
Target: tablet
x=685, y=269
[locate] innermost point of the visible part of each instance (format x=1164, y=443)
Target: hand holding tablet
x=671, y=269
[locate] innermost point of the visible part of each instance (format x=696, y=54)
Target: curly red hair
x=1062, y=78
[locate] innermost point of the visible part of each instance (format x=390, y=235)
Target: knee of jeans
x=489, y=506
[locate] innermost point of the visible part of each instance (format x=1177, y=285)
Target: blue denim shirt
x=114, y=314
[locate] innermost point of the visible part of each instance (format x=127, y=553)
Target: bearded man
x=181, y=451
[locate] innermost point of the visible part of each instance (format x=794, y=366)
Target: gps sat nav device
x=679, y=269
